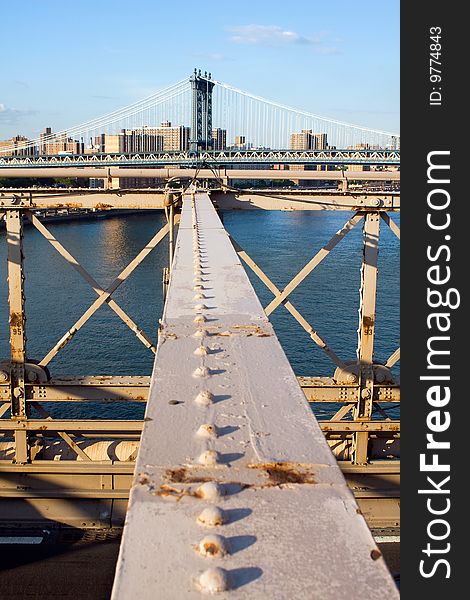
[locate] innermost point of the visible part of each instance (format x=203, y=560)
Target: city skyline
x=149, y=139
x=266, y=55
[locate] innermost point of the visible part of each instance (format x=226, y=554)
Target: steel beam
x=16, y=301
x=324, y=389
x=366, y=330
x=46, y=484
x=135, y=389
x=216, y=158
x=304, y=199
x=71, y=425
x=313, y=263
x=272, y=199
x=235, y=487
x=191, y=173
x=369, y=426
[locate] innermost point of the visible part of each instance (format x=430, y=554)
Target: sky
x=66, y=62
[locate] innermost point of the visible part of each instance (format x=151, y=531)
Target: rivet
x=207, y=430
x=201, y=333
x=198, y=286
x=201, y=372
x=201, y=351
x=209, y=458
x=213, y=581
x=199, y=296
x=200, y=319
x=211, y=516
x=213, y=546
x=210, y=490
x=200, y=307
x=204, y=398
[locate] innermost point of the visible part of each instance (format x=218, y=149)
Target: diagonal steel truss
x=24, y=392
x=363, y=405
x=18, y=375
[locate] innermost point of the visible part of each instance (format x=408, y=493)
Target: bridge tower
x=201, y=125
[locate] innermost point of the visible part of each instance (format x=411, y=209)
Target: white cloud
x=268, y=35
x=9, y=116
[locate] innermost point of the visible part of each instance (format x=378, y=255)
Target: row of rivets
x=212, y=580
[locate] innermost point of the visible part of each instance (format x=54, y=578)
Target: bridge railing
x=214, y=157
x=360, y=389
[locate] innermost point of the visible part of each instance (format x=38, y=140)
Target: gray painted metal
x=229, y=441
x=215, y=158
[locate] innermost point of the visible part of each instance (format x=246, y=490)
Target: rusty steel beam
x=323, y=389
x=84, y=389
x=354, y=426
x=366, y=330
x=135, y=389
x=272, y=199
x=115, y=426
x=17, y=320
x=303, y=199
x=233, y=471
x=216, y=173
x=72, y=425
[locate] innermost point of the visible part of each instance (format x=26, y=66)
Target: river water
x=280, y=242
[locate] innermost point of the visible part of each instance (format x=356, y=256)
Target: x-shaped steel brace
x=104, y=295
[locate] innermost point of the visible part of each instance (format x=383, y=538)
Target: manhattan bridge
x=260, y=131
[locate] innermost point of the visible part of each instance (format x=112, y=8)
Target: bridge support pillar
x=16, y=299
x=365, y=350
x=201, y=125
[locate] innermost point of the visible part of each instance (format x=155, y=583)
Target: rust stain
x=280, y=473
x=181, y=475
x=101, y=206
x=167, y=491
x=247, y=330
x=368, y=325
x=16, y=319
x=143, y=479
x=211, y=548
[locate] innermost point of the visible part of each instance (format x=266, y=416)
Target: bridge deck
x=235, y=487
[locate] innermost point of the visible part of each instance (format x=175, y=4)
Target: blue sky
x=66, y=62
